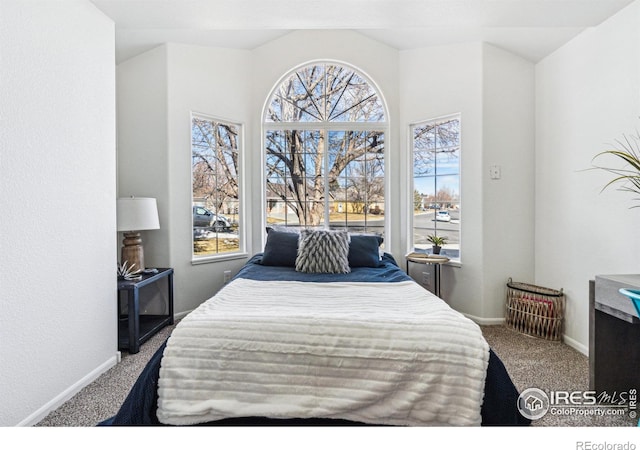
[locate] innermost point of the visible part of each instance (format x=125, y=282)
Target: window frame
x=241, y=252
x=455, y=260
x=325, y=128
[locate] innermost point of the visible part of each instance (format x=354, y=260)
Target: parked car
x=443, y=216
x=202, y=217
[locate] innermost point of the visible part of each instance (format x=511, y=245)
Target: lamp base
x=132, y=251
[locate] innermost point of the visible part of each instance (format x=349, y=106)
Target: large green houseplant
x=627, y=151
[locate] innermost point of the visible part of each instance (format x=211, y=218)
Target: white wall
x=508, y=140
x=57, y=148
x=142, y=144
x=157, y=92
x=214, y=82
x=435, y=82
x=587, y=95
x=493, y=91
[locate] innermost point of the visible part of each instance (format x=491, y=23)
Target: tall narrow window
x=215, y=186
x=325, y=129
x=436, y=184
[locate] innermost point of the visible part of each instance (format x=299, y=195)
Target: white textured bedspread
x=383, y=353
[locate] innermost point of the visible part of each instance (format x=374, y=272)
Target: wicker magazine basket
x=535, y=311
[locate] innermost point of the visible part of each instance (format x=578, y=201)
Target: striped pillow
x=323, y=251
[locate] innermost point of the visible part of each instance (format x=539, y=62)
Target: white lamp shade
x=137, y=213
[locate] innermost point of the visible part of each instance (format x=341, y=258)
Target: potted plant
x=629, y=154
x=438, y=242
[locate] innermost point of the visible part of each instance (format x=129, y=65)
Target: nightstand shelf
x=135, y=328
x=148, y=326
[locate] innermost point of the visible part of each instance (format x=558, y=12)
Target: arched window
x=325, y=127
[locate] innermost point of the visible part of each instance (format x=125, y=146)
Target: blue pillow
x=364, y=251
x=281, y=249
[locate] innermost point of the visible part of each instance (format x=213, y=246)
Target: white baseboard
x=500, y=321
x=57, y=401
x=486, y=321
x=576, y=345
x=179, y=316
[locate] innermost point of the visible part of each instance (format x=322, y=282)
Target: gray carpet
x=531, y=363
x=550, y=366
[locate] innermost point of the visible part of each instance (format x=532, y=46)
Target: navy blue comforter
x=499, y=407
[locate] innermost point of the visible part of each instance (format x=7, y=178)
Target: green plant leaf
x=628, y=153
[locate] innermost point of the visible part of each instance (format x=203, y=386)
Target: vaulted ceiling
x=530, y=28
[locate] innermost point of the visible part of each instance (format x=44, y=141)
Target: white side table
x=435, y=260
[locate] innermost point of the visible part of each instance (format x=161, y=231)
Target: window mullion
x=325, y=175
x=435, y=176
x=335, y=126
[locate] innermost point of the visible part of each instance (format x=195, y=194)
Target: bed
x=287, y=342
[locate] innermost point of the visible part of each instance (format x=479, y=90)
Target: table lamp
x=134, y=215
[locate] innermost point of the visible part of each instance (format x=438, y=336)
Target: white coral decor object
x=126, y=272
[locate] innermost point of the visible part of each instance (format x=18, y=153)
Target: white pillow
x=323, y=251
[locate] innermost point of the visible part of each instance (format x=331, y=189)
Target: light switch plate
x=495, y=172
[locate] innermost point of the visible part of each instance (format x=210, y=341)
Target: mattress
x=382, y=353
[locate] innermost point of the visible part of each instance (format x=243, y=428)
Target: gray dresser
x=614, y=335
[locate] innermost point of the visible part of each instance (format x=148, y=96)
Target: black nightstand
x=135, y=328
